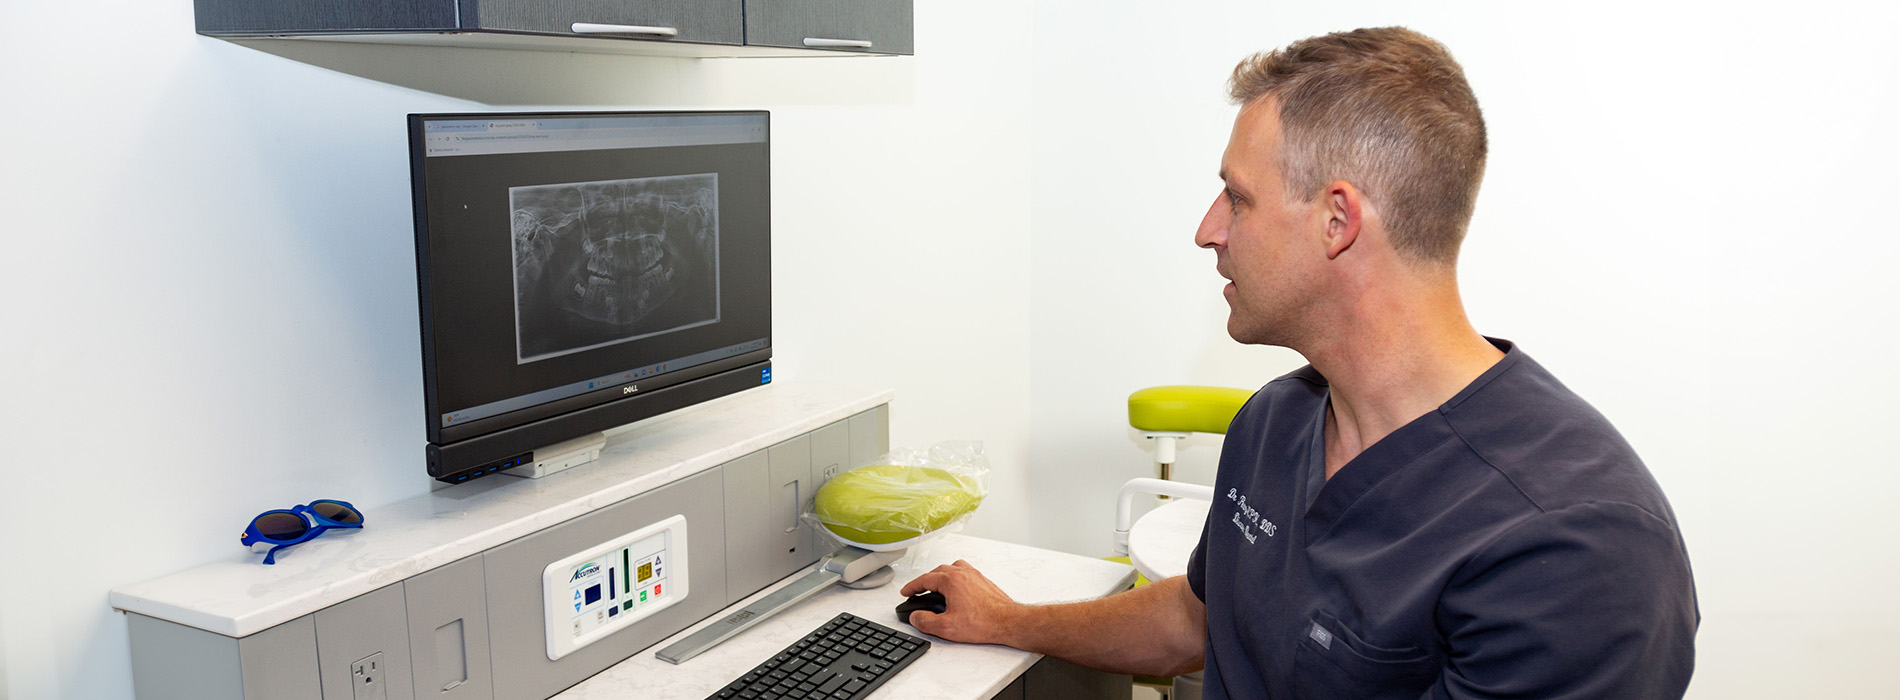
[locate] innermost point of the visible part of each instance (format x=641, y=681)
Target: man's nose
x=1213, y=230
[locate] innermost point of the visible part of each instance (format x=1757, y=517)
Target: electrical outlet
x=366, y=678
x=830, y=471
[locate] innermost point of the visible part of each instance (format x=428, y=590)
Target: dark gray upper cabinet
x=267, y=17
x=697, y=21
x=667, y=27
x=867, y=26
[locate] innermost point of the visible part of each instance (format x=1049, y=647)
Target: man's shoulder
x=1295, y=395
x=1550, y=443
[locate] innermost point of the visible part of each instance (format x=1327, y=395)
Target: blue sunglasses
x=283, y=528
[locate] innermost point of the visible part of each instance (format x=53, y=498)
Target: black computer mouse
x=931, y=600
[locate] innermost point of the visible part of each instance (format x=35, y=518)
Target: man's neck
x=1384, y=375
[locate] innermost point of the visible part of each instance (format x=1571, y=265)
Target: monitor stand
x=561, y=456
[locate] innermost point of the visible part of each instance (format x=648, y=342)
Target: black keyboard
x=844, y=659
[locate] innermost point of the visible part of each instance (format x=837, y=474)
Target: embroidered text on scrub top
x=1251, y=517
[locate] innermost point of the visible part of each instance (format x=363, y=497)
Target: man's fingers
x=939, y=578
x=927, y=582
x=925, y=621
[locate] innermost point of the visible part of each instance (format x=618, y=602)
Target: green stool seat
x=1185, y=409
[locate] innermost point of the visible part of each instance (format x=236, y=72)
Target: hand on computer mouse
x=931, y=601
x=975, y=610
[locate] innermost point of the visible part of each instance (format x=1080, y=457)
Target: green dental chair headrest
x=884, y=503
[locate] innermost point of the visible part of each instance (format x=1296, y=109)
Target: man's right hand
x=975, y=610
x=1155, y=630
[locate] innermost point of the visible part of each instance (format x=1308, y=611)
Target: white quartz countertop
x=1161, y=542
x=239, y=596
x=948, y=671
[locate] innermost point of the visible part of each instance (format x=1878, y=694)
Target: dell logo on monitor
x=629, y=389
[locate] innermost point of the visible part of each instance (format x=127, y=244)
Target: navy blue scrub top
x=1508, y=544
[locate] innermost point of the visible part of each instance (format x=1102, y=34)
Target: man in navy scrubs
x=1422, y=512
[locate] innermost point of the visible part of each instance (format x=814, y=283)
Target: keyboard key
x=833, y=684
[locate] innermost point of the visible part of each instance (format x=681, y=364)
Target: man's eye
x=1233, y=200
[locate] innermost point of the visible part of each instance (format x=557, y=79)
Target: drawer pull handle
x=838, y=43
x=592, y=28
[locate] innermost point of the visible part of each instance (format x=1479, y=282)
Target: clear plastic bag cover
x=903, y=494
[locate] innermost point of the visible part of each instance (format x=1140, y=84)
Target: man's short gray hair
x=1387, y=110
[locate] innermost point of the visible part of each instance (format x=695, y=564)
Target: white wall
x=209, y=284
x=209, y=295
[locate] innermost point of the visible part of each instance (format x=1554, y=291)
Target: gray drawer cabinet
x=704, y=28
x=516, y=628
x=1055, y=679
x=866, y=26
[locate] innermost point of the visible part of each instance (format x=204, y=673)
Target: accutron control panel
x=596, y=592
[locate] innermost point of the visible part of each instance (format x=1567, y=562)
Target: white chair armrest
x=1125, y=502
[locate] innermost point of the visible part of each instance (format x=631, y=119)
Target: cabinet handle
x=791, y=489
x=591, y=28
x=838, y=43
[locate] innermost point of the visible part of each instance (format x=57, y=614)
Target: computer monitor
x=580, y=271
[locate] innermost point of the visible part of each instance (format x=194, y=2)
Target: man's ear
x=1345, y=217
